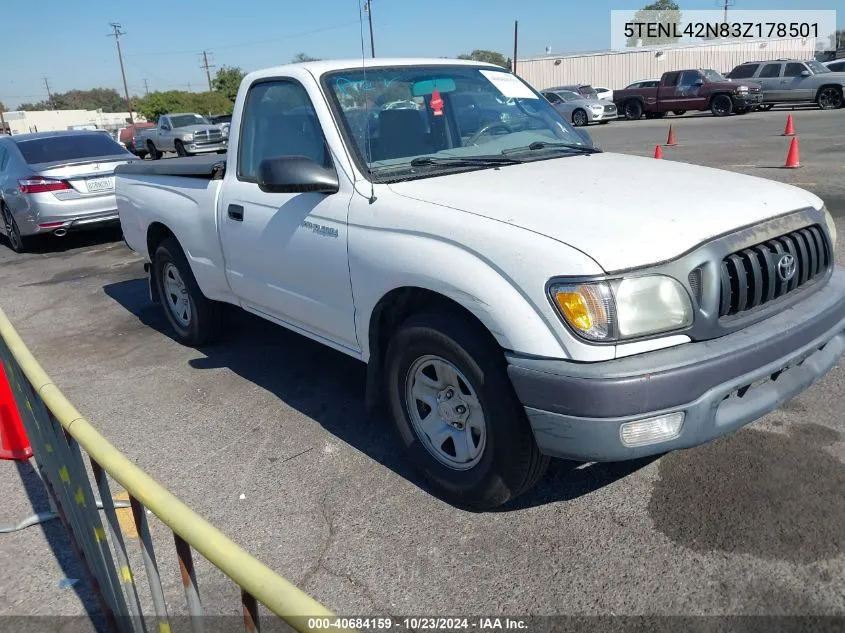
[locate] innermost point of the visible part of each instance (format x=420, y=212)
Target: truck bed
x=210, y=167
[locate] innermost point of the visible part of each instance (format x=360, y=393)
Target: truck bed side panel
x=187, y=206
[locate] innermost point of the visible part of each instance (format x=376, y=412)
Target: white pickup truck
x=515, y=292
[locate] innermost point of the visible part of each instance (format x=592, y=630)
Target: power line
x=253, y=43
x=207, y=67
x=117, y=33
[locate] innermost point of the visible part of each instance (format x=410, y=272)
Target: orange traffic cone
x=792, y=159
x=13, y=441
x=658, y=153
x=790, y=128
x=671, y=140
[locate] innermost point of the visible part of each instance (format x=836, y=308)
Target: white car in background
x=604, y=93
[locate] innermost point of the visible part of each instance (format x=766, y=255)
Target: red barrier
x=14, y=443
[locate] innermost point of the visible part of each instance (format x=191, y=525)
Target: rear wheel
x=721, y=105
x=180, y=148
x=633, y=110
x=17, y=242
x=829, y=98
x=195, y=318
x=679, y=112
x=457, y=413
x=152, y=151
x=579, y=118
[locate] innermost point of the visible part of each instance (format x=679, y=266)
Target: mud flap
x=151, y=286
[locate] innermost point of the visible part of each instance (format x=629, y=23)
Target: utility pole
x=49, y=94
x=726, y=4
x=116, y=35
x=207, y=67
x=146, y=88
x=368, y=7
x=515, y=40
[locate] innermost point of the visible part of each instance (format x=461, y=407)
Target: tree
x=228, y=80
x=2, y=107
x=837, y=40
x=303, y=57
x=490, y=57
x=665, y=13
x=105, y=99
x=155, y=104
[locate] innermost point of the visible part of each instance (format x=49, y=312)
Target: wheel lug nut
x=449, y=393
x=461, y=409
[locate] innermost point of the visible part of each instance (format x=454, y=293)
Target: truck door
x=798, y=86
x=770, y=79
x=689, y=92
x=286, y=253
x=665, y=95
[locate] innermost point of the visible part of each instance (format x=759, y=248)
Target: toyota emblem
x=786, y=267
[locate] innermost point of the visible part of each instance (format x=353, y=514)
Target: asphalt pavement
x=266, y=435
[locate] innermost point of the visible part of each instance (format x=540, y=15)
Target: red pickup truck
x=694, y=89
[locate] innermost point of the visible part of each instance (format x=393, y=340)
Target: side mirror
x=295, y=174
x=805, y=73
x=698, y=82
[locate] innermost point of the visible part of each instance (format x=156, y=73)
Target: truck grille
x=754, y=89
x=761, y=273
x=208, y=136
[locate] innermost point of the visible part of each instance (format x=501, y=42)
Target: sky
x=68, y=43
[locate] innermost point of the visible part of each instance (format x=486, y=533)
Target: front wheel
x=180, y=148
x=457, y=413
x=579, y=118
x=722, y=105
x=679, y=112
x=195, y=318
x=829, y=98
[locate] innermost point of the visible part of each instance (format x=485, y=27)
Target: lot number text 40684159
x=419, y=623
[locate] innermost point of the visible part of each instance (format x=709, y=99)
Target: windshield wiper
x=554, y=144
x=421, y=161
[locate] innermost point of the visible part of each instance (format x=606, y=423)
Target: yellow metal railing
x=57, y=432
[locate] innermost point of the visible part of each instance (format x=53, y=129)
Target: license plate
x=100, y=184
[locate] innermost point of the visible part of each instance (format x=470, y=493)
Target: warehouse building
x=619, y=68
x=25, y=121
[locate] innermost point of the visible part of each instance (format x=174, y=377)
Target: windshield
x=396, y=114
x=70, y=147
x=184, y=120
x=712, y=75
x=818, y=67
x=567, y=95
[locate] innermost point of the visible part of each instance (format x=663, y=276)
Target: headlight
x=598, y=107
x=187, y=137
x=831, y=225
x=742, y=88
x=624, y=308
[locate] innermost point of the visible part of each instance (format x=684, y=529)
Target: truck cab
x=691, y=89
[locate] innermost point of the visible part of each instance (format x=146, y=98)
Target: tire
x=633, y=110
x=180, y=148
x=603, y=122
x=655, y=115
x=721, y=105
x=197, y=319
x=829, y=98
x=679, y=112
x=152, y=151
x=16, y=241
x=142, y=155
x=579, y=118
x=508, y=462
x=765, y=107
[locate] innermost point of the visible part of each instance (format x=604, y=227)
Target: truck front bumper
x=748, y=100
x=580, y=410
x=205, y=148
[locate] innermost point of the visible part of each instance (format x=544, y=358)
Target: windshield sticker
x=437, y=103
x=509, y=85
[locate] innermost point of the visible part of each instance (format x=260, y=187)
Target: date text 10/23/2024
x=419, y=623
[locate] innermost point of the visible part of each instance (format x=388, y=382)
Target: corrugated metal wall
x=616, y=70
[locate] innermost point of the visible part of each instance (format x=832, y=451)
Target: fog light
x=652, y=430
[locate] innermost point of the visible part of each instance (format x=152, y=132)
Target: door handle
x=236, y=212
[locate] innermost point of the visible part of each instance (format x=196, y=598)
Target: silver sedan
x=55, y=182
x=580, y=110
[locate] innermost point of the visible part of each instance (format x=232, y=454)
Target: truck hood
x=190, y=129
x=623, y=211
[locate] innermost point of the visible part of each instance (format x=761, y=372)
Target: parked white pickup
x=515, y=292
